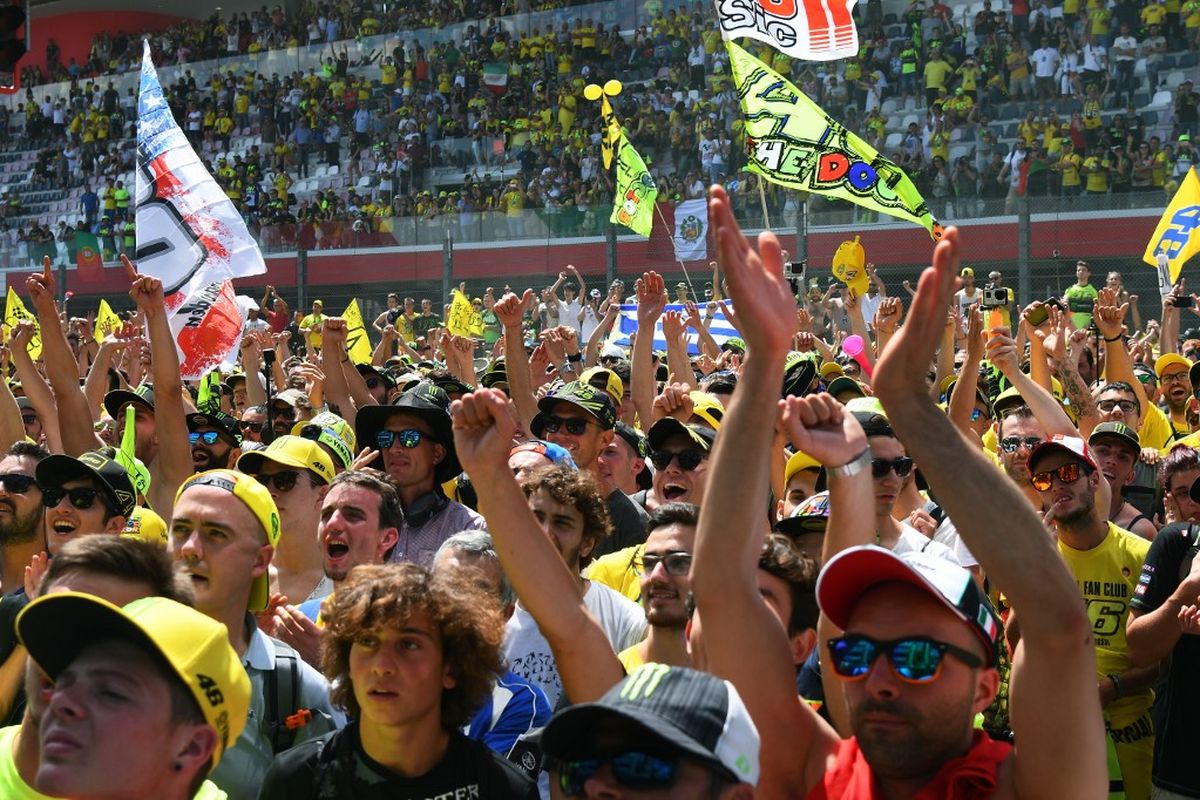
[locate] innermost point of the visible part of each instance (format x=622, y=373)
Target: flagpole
x=675, y=248
x=762, y=198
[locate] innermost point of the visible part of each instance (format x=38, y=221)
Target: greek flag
x=717, y=325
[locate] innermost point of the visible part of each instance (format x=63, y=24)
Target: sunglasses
x=977, y=414
x=632, y=770
x=287, y=412
x=81, y=497
x=28, y=419
x=283, y=481
x=408, y=438
x=16, y=483
x=902, y=466
x=208, y=437
x=248, y=426
x=1067, y=473
x=1126, y=406
x=1011, y=444
x=676, y=563
x=688, y=459
x=374, y=383
x=575, y=426
x=915, y=659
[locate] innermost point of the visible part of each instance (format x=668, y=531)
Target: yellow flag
x=358, y=346
x=107, y=321
x=464, y=320
x=1175, y=237
x=14, y=312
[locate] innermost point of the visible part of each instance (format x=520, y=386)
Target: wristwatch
x=857, y=465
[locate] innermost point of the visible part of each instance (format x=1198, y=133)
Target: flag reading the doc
x=810, y=30
x=1176, y=236
x=792, y=142
x=633, y=205
x=691, y=230
x=189, y=235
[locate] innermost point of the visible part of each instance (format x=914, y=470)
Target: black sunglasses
x=81, y=497
x=676, y=563
x=16, y=483
x=287, y=412
x=408, y=438
x=575, y=426
x=1011, y=444
x=633, y=770
x=248, y=426
x=902, y=466
x=688, y=459
x=283, y=481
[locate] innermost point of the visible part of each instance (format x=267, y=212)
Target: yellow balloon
x=592, y=91
x=612, y=88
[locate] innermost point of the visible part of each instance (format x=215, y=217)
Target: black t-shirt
x=1178, y=739
x=422, y=324
x=628, y=524
x=335, y=766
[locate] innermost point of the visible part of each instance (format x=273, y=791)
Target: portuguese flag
x=87, y=251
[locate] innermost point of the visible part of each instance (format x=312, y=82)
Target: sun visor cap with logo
x=660, y=432
x=290, y=451
x=587, y=397
x=97, y=466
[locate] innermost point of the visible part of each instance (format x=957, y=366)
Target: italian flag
x=495, y=76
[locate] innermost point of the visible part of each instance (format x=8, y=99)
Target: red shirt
x=278, y=320
x=969, y=777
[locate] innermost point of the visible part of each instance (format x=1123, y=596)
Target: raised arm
x=592, y=351
x=173, y=464
x=679, y=367
x=483, y=435
x=651, y=295
x=333, y=353
x=736, y=620
x=74, y=416
x=1002, y=351
x=707, y=344
x=1054, y=706
x=962, y=402
x=35, y=386
x=12, y=427
x=510, y=311
x=1110, y=322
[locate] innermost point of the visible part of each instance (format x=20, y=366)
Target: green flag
x=792, y=142
x=633, y=205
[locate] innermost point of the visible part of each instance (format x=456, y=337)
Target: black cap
x=142, y=395
x=701, y=435
x=370, y=369
x=426, y=401
x=222, y=423
x=633, y=437
x=799, y=372
x=1119, y=431
x=96, y=466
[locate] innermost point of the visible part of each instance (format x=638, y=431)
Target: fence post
x=610, y=252
x=301, y=275
x=802, y=229
x=1024, y=279
x=62, y=285
x=447, y=265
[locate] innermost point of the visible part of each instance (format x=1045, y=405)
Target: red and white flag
x=810, y=30
x=189, y=235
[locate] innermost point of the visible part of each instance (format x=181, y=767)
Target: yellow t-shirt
x=314, y=337
x=1107, y=576
x=936, y=73
x=630, y=659
x=619, y=571
x=12, y=786
x=1097, y=180
x=1069, y=165
x=1156, y=429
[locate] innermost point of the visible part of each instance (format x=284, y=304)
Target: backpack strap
x=282, y=695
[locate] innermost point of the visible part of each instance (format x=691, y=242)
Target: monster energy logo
x=644, y=682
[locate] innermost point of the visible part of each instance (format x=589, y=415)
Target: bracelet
x=575, y=358
x=1116, y=682
x=1113, y=339
x=853, y=467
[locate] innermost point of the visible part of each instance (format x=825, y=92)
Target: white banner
x=810, y=30
x=189, y=235
x=691, y=230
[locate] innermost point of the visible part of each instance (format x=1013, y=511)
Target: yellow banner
x=14, y=312
x=358, y=345
x=107, y=321
x=1175, y=237
x=464, y=320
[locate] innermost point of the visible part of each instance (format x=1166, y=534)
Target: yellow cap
x=848, y=266
x=708, y=408
x=290, y=451
x=613, y=385
x=831, y=369
x=258, y=499
x=58, y=627
x=799, y=461
x=1167, y=360
x=144, y=524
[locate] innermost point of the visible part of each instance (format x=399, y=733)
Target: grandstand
x=395, y=133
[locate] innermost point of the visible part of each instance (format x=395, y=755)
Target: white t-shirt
x=913, y=541
x=869, y=305
x=568, y=314
x=588, y=326
x=1045, y=62
x=1125, y=43
x=529, y=655
x=947, y=534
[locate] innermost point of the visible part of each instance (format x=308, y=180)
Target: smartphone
x=1183, y=301
x=1037, y=316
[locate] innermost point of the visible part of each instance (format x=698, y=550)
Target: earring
x=177, y=767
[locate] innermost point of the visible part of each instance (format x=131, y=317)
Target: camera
x=994, y=297
x=793, y=273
